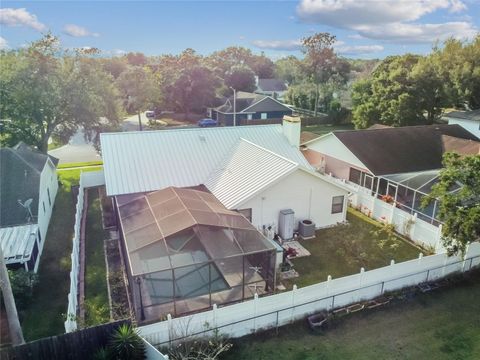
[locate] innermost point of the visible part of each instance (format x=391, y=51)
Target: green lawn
x=45, y=315
x=342, y=250
x=326, y=128
x=96, y=294
x=441, y=325
x=80, y=164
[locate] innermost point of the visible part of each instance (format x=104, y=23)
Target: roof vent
x=202, y=138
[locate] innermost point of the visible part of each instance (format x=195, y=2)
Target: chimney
x=291, y=129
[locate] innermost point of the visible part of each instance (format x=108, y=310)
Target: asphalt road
x=77, y=150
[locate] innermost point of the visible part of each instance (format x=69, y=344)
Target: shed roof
x=250, y=102
x=248, y=169
x=17, y=242
x=401, y=149
x=152, y=160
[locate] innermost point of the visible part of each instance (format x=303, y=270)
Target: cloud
x=286, y=45
x=388, y=20
x=358, y=49
x=419, y=33
x=77, y=31
x=20, y=17
x=350, y=13
x=340, y=46
x=3, y=43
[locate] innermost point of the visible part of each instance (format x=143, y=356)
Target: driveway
x=131, y=123
x=77, y=150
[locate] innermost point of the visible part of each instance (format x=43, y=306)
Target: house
x=469, y=120
x=400, y=163
x=27, y=194
x=250, y=109
x=211, y=193
x=276, y=88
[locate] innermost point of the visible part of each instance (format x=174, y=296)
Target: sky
x=364, y=28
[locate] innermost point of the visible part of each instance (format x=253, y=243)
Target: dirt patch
x=116, y=280
x=109, y=219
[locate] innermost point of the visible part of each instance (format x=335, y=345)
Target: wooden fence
x=77, y=345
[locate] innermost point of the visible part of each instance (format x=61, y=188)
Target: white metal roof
x=152, y=160
x=245, y=172
x=17, y=242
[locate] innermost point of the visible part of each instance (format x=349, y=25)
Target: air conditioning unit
x=306, y=229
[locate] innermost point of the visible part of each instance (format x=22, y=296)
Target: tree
x=241, y=78
x=138, y=90
x=47, y=92
x=136, y=59
x=193, y=89
x=289, y=69
x=320, y=60
x=262, y=66
x=459, y=210
x=9, y=302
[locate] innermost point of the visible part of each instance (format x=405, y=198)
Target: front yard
x=342, y=250
x=443, y=324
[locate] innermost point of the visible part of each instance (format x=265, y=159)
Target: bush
x=126, y=344
x=22, y=283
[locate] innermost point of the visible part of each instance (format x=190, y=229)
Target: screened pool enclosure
x=186, y=252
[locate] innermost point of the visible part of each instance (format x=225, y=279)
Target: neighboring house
x=250, y=109
x=469, y=120
x=211, y=177
x=407, y=158
x=276, y=88
x=28, y=188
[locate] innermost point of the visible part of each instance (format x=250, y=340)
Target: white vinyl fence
x=416, y=229
x=277, y=310
x=87, y=179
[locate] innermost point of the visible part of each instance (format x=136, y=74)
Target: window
x=355, y=176
x=44, y=210
x=247, y=213
x=337, y=204
x=49, y=200
x=249, y=116
x=263, y=116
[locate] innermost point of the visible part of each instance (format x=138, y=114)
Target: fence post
x=392, y=213
x=214, y=316
x=414, y=226
x=255, y=300
x=170, y=330
x=294, y=290
x=392, y=262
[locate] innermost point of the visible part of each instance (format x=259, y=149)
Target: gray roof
x=473, y=115
x=21, y=167
x=152, y=160
x=271, y=85
x=401, y=149
x=251, y=103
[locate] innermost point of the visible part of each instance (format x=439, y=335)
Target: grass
x=444, y=324
x=96, y=294
x=79, y=164
x=342, y=250
x=45, y=315
x=326, y=128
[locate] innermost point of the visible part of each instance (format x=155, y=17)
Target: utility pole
x=234, y=106
x=140, y=121
x=16, y=334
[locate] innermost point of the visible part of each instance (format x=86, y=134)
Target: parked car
x=207, y=122
x=150, y=114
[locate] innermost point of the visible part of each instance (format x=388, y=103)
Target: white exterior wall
x=280, y=309
x=330, y=145
x=48, y=180
x=469, y=125
x=309, y=196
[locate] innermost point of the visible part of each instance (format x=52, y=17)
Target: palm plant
x=126, y=344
